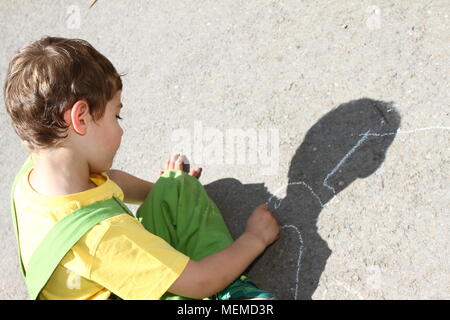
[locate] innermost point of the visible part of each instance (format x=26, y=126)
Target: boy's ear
x=77, y=116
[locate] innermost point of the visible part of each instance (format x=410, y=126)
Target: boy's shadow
x=334, y=153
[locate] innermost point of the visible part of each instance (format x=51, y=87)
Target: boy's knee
x=177, y=178
x=178, y=175
x=173, y=174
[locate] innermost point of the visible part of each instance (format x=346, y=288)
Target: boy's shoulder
x=23, y=195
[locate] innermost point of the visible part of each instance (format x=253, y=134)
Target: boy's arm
x=135, y=190
x=208, y=276
x=213, y=273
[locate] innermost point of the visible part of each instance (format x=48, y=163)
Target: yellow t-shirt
x=117, y=255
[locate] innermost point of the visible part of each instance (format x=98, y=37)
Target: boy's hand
x=263, y=225
x=176, y=163
x=205, y=277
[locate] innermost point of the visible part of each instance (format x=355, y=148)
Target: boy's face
x=108, y=135
x=98, y=142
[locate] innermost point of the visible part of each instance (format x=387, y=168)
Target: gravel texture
x=353, y=94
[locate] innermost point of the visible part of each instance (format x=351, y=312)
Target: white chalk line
x=407, y=131
x=352, y=150
x=325, y=184
x=278, y=202
x=299, y=255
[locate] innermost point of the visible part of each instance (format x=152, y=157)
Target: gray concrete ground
x=353, y=94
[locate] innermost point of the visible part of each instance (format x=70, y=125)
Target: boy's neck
x=59, y=172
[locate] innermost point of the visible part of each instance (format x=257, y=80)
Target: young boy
x=64, y=100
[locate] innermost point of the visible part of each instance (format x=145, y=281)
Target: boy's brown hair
x=46, y=77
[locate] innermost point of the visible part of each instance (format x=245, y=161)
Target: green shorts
x=179, y=210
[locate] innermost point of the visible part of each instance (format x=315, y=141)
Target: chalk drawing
x=352, y=150
x=299, y=255
x=399, y=131
x=277, y=202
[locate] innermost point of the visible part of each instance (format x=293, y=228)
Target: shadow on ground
x=348, y=143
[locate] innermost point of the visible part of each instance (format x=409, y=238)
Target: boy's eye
x=118, y=117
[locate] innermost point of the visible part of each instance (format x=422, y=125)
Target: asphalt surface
x=348, y=104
